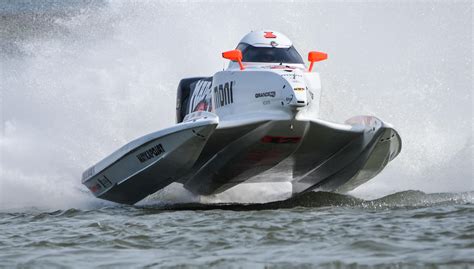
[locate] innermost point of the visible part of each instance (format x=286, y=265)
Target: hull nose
x=298, y=87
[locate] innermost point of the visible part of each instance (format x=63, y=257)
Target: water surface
x=404, y=230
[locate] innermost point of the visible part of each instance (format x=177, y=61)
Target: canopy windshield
x=269, y=55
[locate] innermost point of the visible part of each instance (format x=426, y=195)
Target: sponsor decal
x=266, y=102
x=224, y=94
x=280, y=139
x=151, y=153
x=293, y=77
x=265, y=94
x=298, y=89
x=104, y=181
x=95, y=188
x=201, y=99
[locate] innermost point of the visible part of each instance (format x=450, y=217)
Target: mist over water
x=80, y=79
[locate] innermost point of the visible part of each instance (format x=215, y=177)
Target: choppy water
x=404, y=230
x=78, y=79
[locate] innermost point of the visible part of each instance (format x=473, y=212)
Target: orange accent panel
x=316, y=56
x=234, y=55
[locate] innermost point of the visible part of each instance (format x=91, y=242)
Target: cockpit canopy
x=269, y=54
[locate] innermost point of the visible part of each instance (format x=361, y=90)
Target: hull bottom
x=209, y=160
x=317, y=154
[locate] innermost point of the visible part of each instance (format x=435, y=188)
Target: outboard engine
x=187, y=102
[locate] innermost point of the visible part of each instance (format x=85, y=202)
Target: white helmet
x=266, y=38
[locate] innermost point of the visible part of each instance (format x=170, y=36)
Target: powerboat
x=247, y=123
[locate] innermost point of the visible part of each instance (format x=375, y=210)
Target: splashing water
x=78, y=80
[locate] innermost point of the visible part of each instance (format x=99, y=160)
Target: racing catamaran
x=244, y=122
